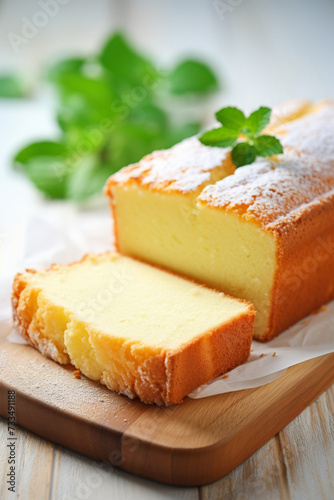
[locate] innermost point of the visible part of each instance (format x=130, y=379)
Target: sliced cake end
x=139, y=330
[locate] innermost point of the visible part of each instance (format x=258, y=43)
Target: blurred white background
x=265, y=50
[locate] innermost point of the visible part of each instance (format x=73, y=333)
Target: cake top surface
x=185, y=167
x=268, y=190
x=287, y=111
x=312, y=133
x=265, y=191
x=131, y=301
x=271, y=189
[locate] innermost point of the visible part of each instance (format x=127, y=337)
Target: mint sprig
x=235, y=127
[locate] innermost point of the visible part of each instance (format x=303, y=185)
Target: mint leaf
x=88, y=178
x=243, y=154
x=257, y=120
x=125, y=64
x=65, y=66
x=220, y=137
x=95, y=91
x=234, y=126
x=11, y=86
x=44, y=163
x=38, y=149
x=267, y=145
x=232, y=118
x=149, y=115
x=49, y=174
x=191, y=77
x=85, y=101
x=82, y=142
x=131, y=141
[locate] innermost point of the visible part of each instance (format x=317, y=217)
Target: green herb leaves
x=231, y=118
x=243, y=154
x=192, y=77
x=44, y=163
x=267, y=145
x=12, y=86
x=235, y=126
x=111, y=111
x=221, y=137
x=256, y=122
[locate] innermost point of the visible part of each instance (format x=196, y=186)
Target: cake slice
x=139, y=330
x=264, y=233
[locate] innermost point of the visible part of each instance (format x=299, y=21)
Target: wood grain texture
x=76, y=477
x=263, y=475
x=297, y=464
x=190, y=444
x=38, y=466
x=308, y=449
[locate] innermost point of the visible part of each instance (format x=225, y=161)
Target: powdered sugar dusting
x=185, y=167
x=288, y=110
x=268, y=190
x=312, y=134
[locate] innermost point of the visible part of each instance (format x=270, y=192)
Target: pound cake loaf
x=139, y=330
x=264, y=232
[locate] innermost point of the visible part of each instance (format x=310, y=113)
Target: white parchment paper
x=62, y=233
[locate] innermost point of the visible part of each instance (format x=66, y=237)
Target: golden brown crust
x=24, y=307
x=216, y=173
x=305, y=265
x=209, y=356
x=185, y=168
x=19, y=320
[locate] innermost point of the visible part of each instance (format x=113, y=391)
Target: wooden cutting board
x=190, y=444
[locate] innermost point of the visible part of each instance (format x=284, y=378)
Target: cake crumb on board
x=319, y=310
